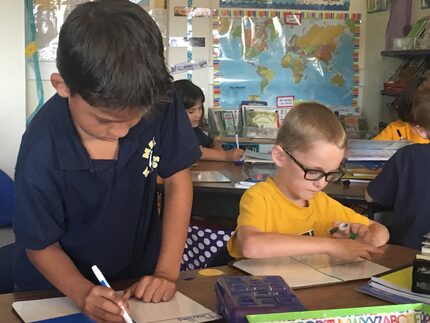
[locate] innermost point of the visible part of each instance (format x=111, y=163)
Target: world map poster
x=312, y=56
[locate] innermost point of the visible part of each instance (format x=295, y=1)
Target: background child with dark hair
x=405, y=126
x=193, y=98
x=403, y=183
x=288, y=214
x=88, y=163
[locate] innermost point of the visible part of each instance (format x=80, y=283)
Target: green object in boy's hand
x=343, y=227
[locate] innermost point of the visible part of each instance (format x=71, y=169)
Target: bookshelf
x=405, y=53
x=403, y=65
x=390, y=93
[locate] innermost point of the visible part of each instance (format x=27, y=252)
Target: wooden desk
x=201, y=288
x=221, y=200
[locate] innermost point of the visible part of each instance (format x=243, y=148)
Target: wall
x=12, y=83
x=202, y=27
x=373, y=68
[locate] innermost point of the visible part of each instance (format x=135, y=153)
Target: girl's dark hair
x=111, y=53
x=188, y=93
x=421, y=105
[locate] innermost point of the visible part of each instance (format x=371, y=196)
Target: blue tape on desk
x=72, y=318
x=238, y=296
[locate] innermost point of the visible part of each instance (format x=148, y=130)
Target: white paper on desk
x=209, y=176
x=353, y=271
x=377, y=150
x=311, y=270
x=322, y=260
x=295, y=273
x=179, y=309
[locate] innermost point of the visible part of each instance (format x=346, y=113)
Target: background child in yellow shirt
x=405, y=127
x=288, y=214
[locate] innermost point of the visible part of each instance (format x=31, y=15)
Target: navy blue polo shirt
x=404, y=184
x=203, y=139
x=100, y=211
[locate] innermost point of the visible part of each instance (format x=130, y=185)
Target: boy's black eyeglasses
x=316, y=174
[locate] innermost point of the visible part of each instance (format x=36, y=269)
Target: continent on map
x=338, y=80
x=319, y=42
x=297, y=66
x=255, y=39
x=266, y=75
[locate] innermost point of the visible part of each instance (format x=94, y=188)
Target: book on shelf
x=409, y=70
x=224, y=121
x=423, y=256
x=258, y=116
x=253, y=119
x=418, y=28
x=350, y=175
x=361, y=171
x=425, y=248
x=421, y=268
x=249, y=103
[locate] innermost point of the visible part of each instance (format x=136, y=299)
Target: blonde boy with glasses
x=288, y=214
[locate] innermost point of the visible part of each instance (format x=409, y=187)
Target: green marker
x=343, y=227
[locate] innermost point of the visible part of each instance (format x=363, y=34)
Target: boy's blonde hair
x=421, y=106
x=308, y=122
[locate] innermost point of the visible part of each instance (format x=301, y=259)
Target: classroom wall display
x=334, y=5
x=308, y=55
x=376, y=5
x=49, y=16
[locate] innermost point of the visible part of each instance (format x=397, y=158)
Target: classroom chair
x=6, y=261
x=202, y=245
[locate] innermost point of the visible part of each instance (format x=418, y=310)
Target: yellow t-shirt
x=406, y=130
x=265, y=207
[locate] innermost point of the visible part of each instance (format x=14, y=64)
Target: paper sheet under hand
x=311, y=270
x=179, y=309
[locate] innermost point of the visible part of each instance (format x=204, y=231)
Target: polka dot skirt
x=201, y=245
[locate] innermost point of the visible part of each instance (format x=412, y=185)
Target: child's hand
x=103, y=304
x=348, y=249
x=355, y=231
x=362, y=232
x=152, y=289
x=234, y=154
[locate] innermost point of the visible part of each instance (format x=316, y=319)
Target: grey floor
x=6, y=236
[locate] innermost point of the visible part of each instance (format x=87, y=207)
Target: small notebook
x=209, y=176
x=394, y=286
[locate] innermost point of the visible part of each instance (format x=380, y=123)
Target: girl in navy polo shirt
x=193, y=98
